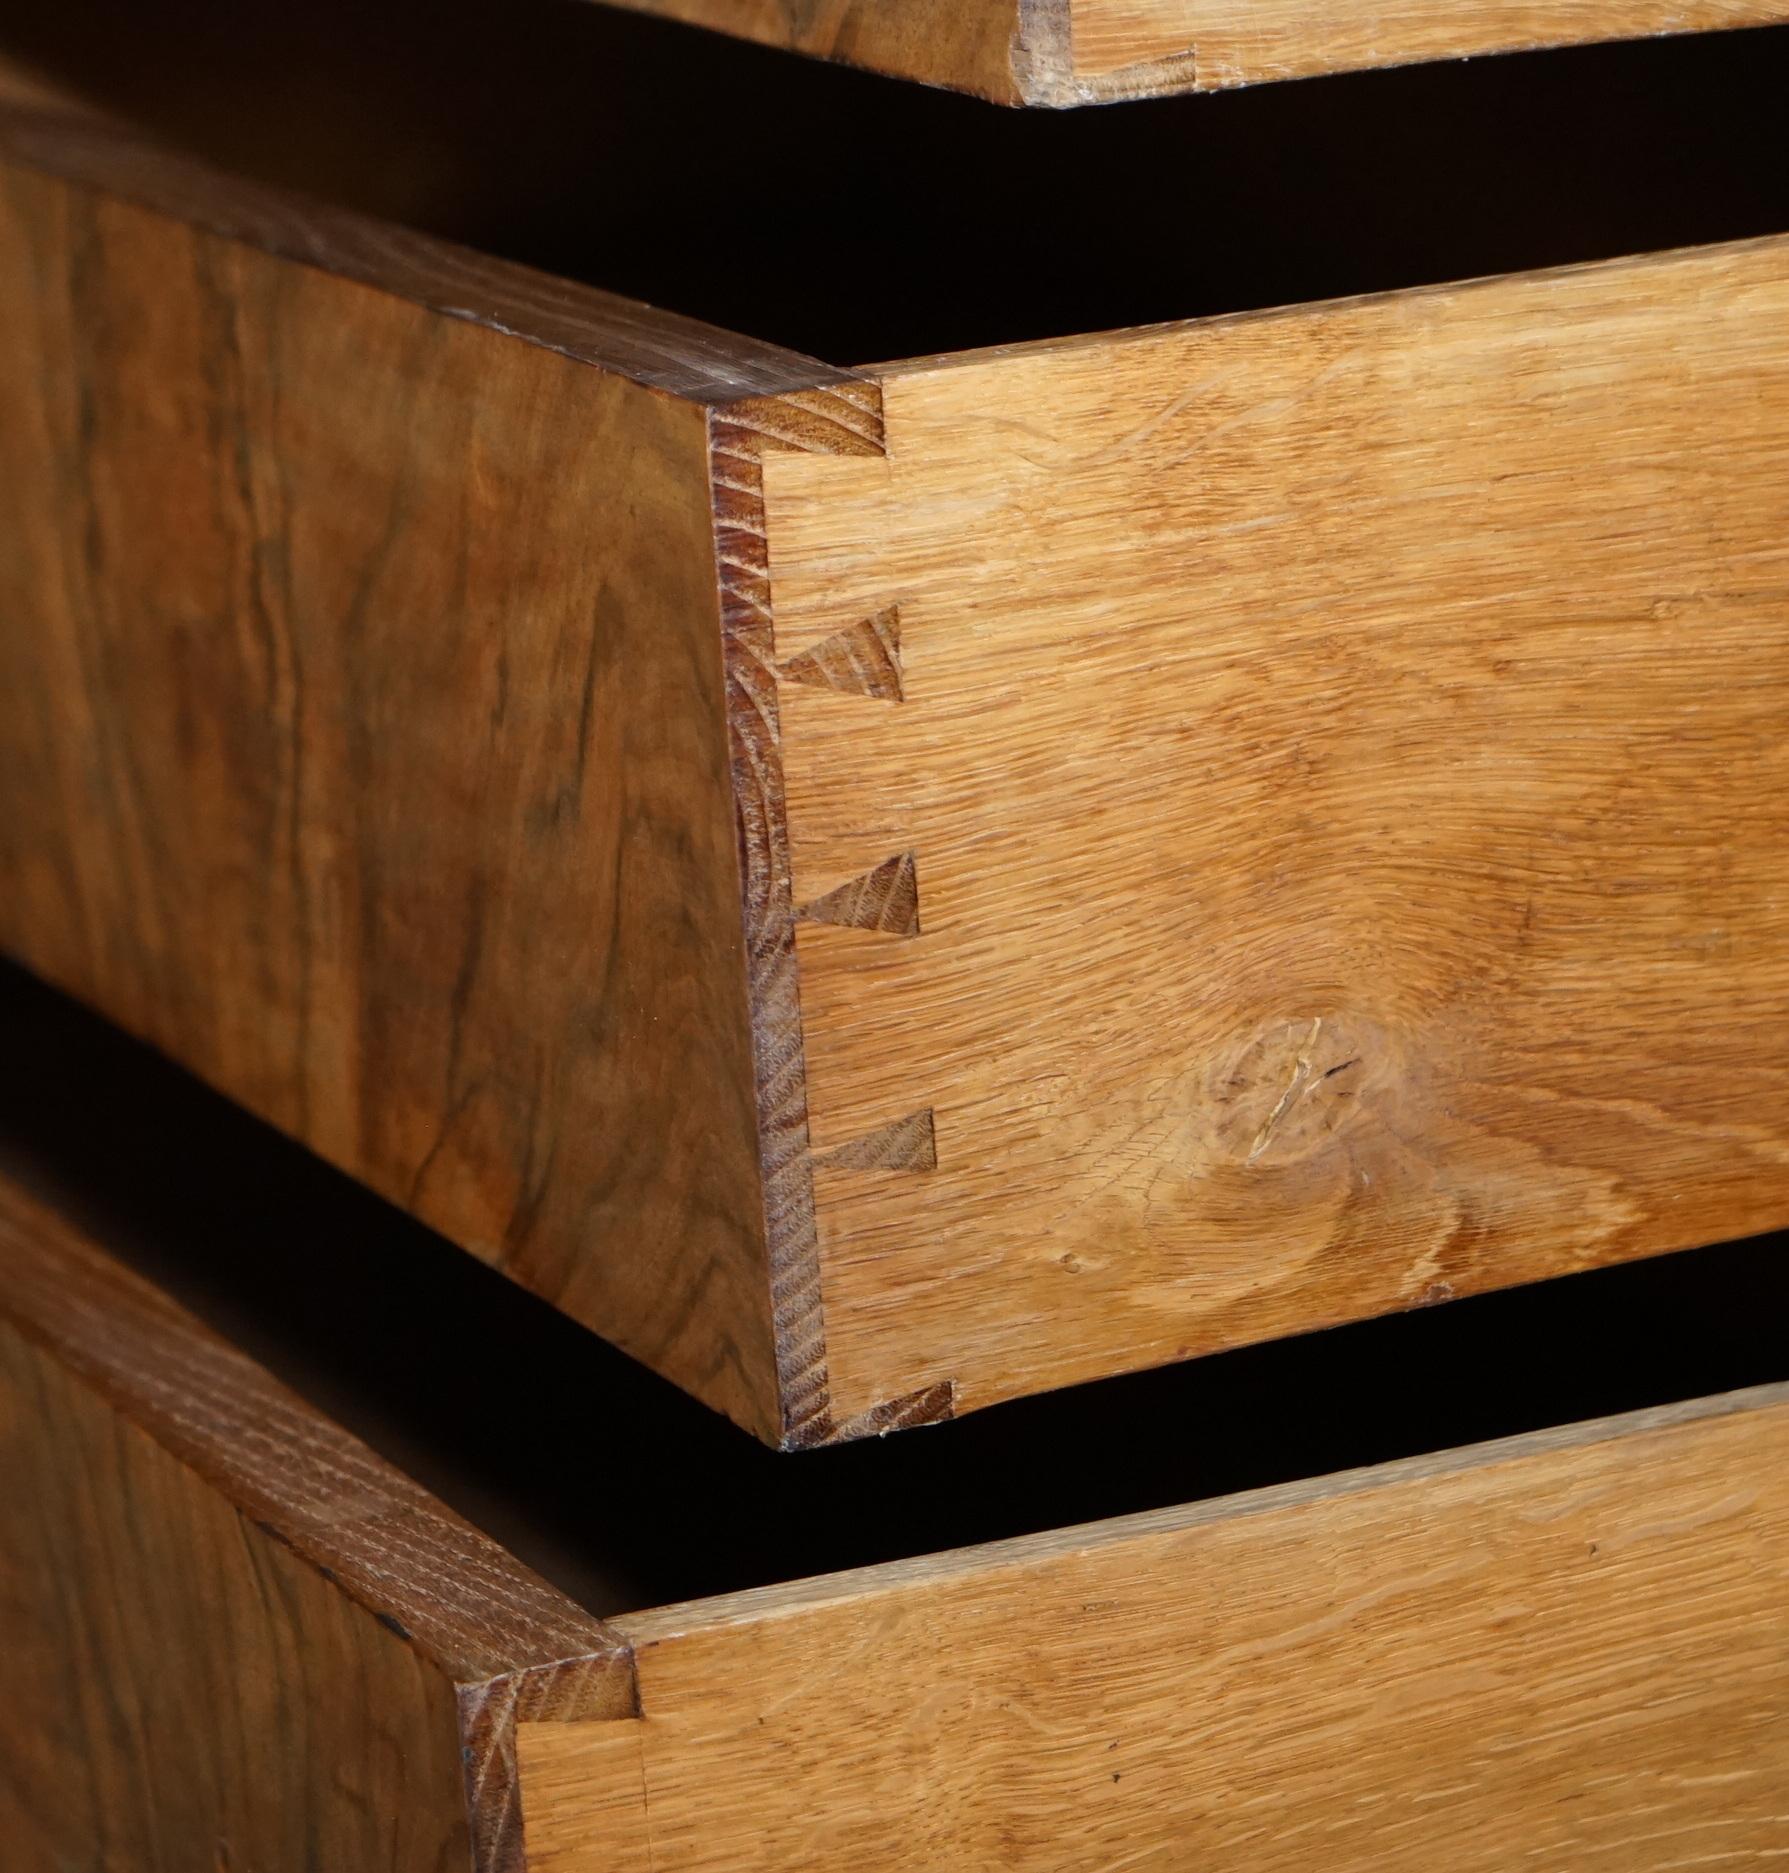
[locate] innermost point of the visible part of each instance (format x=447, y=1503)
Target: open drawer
x=235, y=1638
x=884, y=890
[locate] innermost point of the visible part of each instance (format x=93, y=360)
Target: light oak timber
x=1062, y=53
x=231, y=1638
x=881, y=890
x=1341, y=755
x=1567, y=1650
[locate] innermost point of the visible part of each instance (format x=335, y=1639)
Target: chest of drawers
x=883, y=890
x=1237, y=787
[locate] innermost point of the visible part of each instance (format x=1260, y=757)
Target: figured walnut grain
x=235, y=1637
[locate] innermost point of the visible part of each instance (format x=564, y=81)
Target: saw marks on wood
x=1563, y=1651
x=1342, y=751
x=885, y=898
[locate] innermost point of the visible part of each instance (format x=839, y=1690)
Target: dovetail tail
x=909, y=1144
x=864, y=659
x=885, y=898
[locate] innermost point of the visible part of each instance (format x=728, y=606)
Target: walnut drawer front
x=236, y=1638
x=883, y=890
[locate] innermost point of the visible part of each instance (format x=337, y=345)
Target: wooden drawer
x=883, y=890
x=1069, y=52
x=236, y=1638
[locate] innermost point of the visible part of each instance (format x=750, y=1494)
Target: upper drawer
x=883, y=890
x=1068, y=52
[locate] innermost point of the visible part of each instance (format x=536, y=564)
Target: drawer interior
x=627, y=1494
x=855, y=218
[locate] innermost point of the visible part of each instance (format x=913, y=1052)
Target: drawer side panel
x=1341, y=804
x=1128, y=48
x=1560, y=1652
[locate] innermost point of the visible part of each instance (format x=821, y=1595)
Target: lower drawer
x=234, y=1638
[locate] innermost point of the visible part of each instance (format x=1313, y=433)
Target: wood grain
x=891, y=892
x=1568, y=1650
x=366, y=747
x=1069, y=52
x=965, y=45
x=1133, y=48
x=1341, y=751
x=233, y=1638
x=664, y=350
x=840, y=421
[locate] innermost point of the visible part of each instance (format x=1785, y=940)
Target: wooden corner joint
x=1048, y=68
x=860, y=665
x=599, y=1686
x=931, y=1404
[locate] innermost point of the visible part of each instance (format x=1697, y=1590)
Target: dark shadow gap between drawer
x=626, y=1493
x=857, y=218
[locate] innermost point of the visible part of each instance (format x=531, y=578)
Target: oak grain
x=1566, y=1650
x=1131, y=48
x=1339, y=752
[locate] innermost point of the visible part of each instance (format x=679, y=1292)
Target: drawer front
x=236, y=1639
x=883, y=892
x=362, y=712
